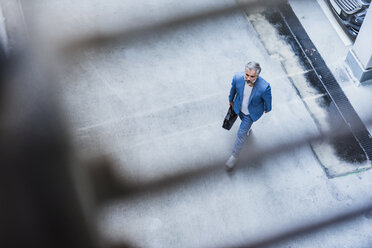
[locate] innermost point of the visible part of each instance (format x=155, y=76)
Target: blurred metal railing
x=48, y=201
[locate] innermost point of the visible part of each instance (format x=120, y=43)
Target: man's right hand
x=232, y=104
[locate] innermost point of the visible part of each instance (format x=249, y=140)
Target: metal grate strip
x=328, y=81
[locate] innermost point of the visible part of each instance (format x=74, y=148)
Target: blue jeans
x=242, y=133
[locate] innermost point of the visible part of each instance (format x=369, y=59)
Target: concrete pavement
x=156, y=105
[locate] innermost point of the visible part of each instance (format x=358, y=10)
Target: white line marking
x=313, y=97
x=175, y=134
x=154, y=111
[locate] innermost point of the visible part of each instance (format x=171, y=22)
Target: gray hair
x=253, y=66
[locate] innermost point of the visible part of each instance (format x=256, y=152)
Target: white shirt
x=247, y=93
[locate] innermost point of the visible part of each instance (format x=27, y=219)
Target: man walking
x=250, y=97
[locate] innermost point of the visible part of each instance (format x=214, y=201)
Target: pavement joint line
x=143, y=114
x=185, y=131
x=161, y=137
x=154, y=111
x=297, y=74
x=309, y=98
x=300, y=73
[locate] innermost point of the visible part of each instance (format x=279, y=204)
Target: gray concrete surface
x=156, y=105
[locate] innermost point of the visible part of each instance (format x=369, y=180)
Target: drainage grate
x=328, y=81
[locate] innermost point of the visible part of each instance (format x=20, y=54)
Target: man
x=250, y=97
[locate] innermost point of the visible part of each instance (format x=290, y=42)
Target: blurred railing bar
x=325, y=221
x=125, y=35
x=112, y=187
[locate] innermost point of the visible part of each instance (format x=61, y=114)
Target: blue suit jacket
x=259, y=100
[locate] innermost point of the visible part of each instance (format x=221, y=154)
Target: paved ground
x=155, y=105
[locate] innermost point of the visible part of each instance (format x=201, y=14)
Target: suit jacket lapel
x=252, y=93
x=242, y=82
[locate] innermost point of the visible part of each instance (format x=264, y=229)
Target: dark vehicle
x=350, y=13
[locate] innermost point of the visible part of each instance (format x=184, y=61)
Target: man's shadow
x=243, y=166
